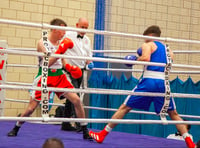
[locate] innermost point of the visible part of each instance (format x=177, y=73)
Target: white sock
x=18, y=124
x=108, y=128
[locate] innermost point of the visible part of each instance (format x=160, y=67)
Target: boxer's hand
x=130, y=57
x=64, y=45
x=74, y=71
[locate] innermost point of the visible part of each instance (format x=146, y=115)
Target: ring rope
x=101, y=59
x=139, y=70
x=116, y=51
x=21, y=65
x=47, y=26
x=101, y=91
x=19, y=83
x=83, y=58
x=110, y=69
x=23, y=49
x=124, y=121
x=106, y=109
x=135, y=51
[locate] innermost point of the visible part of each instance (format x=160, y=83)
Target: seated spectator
x=198, y=144
x=53, y=143
x=178, y=136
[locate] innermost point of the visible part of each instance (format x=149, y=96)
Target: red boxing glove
x=64, y=45
x=74, y=71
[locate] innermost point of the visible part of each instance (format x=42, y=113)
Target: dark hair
x=53, y=143
x=57, y=22
x=154, y=30
x=188, y=125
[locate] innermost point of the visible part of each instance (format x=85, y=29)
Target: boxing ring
x=34, y=134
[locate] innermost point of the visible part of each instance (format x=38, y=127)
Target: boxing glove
x=90, y=65
x=75, y=71
x=130, y=57
x=64, y=45
x=139, y=51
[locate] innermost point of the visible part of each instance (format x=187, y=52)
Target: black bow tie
x=177, y=134
x=79, y=36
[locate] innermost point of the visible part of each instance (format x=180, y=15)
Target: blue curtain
x=184, y=105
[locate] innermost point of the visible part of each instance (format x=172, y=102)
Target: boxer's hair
x=154, y=30
x=58, y=22
x=53, y=143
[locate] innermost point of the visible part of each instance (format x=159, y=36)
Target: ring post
x=3, y=59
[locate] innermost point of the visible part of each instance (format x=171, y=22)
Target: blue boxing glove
x=139, y=51
x=130, y=57
x=90, y=65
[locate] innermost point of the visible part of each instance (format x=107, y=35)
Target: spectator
x=178, y=135
x=53, y=143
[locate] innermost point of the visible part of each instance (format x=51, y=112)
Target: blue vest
x=158, y=56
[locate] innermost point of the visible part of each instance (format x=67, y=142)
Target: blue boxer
x=152, y=81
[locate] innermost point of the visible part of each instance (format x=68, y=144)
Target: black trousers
x=69, y=107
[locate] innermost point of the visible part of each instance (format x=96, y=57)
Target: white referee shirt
x=81, y=47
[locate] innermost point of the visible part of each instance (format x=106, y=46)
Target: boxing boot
x=86, y=135
x=66, y=126
x=98, y=137
x=13, y=132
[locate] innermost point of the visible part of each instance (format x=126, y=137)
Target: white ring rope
x=22, y=65
x=135, y=51
x=100, y=59
x=83, y=58
x=19, y=83
x=110, y=69
x=116, y=51
x=102, y=91
x=23, y=49
x=106, y=109
x=39, y=25
x=124, y=121
x=139, y=70
x=140, y=112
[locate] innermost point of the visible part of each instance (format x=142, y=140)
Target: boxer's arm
x=146, y=52
x=41, y=48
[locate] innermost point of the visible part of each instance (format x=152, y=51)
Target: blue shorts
x=144, y=102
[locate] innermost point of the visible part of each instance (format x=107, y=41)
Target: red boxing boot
x=189, y=142
x=98, y=137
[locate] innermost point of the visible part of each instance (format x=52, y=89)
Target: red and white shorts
x=52, y=81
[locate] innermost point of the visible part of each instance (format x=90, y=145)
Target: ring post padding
x=45, y=92
x=3, y=59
